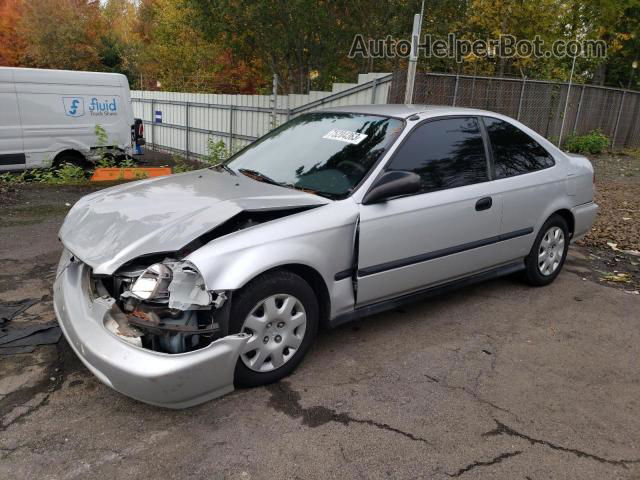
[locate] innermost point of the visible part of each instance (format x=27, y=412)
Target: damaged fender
x=324, y=243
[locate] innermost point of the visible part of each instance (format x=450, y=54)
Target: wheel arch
x=568, y=217
x=315, y=281
x=68, y=152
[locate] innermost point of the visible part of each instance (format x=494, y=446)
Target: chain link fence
x=538, y=104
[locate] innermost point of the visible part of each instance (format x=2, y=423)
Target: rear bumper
x=166, y=380
x=584, y=215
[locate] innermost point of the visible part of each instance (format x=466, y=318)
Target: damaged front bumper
x=166, y=380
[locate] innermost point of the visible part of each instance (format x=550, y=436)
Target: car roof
x=405, y=111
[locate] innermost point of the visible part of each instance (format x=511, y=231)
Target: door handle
x=484, y=204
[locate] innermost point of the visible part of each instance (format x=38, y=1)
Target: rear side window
x=515, y=152
x=446, y=153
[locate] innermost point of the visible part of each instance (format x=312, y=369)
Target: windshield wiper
x=263, y=178
x=225, y=167
x=259, y=176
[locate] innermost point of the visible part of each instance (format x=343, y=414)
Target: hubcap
x=277, y=325
x=551, y=251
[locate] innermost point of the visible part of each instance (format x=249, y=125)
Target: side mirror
x=393, y=184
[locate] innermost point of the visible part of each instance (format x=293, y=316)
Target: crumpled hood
x=111, y=227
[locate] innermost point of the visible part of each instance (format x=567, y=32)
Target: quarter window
x=515, y=152
x=446, y=153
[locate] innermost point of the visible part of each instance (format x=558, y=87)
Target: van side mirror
x=394, y=183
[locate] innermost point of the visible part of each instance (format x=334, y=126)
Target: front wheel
x=280, y=312
x=544, y=262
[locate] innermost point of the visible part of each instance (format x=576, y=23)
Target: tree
x=295, y=39
x=119, y=48
x=62, y=34
x=236, y=46
x=488, y=19
x=11, y=43
x=180, y=57
x=621, y=30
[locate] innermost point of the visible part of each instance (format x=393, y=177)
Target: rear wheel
x=280, y=312
x=547, y=256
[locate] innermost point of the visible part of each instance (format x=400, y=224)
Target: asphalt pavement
x=499, y=380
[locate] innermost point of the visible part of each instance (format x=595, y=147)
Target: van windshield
x=325, y=153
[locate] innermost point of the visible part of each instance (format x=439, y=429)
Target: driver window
x=446, y=153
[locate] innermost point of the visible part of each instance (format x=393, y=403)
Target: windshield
x=325, y=153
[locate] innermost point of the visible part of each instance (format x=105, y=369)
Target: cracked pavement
x=495, y=381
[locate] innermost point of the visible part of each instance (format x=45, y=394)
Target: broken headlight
x=154, y=283
x=178, y=284
x=165, y=307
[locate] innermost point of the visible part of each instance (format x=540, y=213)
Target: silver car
x=174, y=290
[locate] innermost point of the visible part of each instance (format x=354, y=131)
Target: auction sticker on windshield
x=345, y=136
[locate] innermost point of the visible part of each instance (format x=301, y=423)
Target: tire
x=272, y=308
x=77, y=160
x=552, y=239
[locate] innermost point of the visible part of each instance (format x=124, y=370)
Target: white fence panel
x=185, y=122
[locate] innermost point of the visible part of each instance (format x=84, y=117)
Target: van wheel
x=73, y=159
x=280, y=311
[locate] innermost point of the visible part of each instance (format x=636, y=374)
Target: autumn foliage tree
x=180, y=57
x=236, y=46
x=11, y=42
x=62, y=34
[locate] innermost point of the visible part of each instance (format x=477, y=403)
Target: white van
x=49, y=117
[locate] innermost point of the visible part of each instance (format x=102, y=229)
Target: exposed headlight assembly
x=154, y=283
x=188, y=291
x=177, y=283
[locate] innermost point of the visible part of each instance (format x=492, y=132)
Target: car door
x=12, y=155
x=526, y=181
x=446, y=231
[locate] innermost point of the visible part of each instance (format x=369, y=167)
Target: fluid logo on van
x=73, y=106
x=103, y=106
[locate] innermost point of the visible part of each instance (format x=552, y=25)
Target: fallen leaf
x=617, y=277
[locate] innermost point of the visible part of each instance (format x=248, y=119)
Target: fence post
x=231, y=109
x=564, y=112
x=575, y=124
x=374, y=87
x=274, y=113
x=615, y=130
x=524, y=82
x=455, y=90
x=153, y=124
x=413, y=58
x=186, y=142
